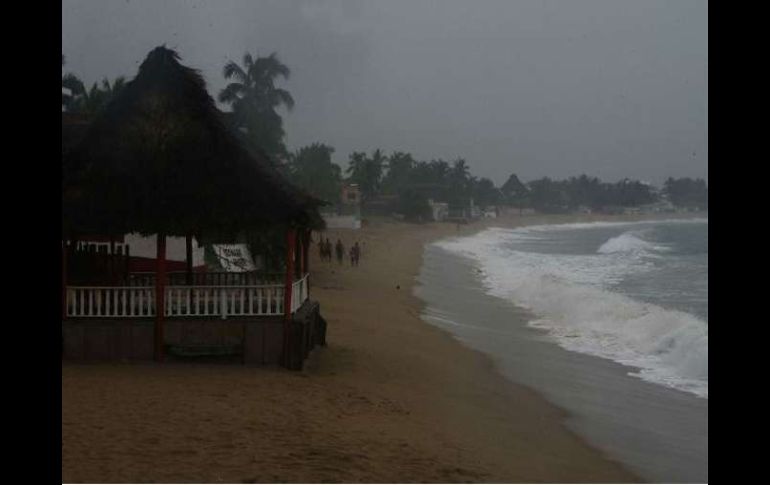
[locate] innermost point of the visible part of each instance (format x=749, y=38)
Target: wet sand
x=391, y=399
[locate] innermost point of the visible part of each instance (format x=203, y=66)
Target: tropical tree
x=366, y=172
x=73, y=85
x=687, y=192
x=400, y=167
x=484, y=192
x=92, y=101
x=254, y=99
x=311, y=168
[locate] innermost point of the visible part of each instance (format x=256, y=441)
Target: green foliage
x=400, y=166
x=485, y=193
x=311, y=168
x=366, y=172
x=414, y=206
x=92, y=101
x=254, y=99
x=548, y=195
x=687, y=192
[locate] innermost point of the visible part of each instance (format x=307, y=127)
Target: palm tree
x=400, y=166
x=254, y=99
x=95, y=99
x=74, y=85
x=366, y=172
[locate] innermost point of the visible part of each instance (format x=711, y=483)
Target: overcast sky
x=610, y=88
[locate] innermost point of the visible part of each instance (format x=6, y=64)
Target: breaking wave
x=572, y=298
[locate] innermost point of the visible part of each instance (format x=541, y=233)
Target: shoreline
x=391, y=399
x=613, y=411
x=597, y=468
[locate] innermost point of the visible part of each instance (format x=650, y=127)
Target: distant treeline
x=408, y=184
x=574, y=193
x=397, y=182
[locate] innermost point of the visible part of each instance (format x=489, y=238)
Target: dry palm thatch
x=159, y=159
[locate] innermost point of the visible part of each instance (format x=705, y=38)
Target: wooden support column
x=291, y=237
x=299, y=255
x=188, y=244
x=160, y=295
x=306, y=259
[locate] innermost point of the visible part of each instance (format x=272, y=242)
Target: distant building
x=348, y=212
x=439, y=210
x=351, y=195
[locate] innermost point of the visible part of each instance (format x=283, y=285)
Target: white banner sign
x=234, y=258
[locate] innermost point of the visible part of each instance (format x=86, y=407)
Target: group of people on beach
x=325, y=250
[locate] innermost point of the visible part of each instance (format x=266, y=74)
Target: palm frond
x=232, y=69
x=71, y=82
x=282, y=97
x=231, y=93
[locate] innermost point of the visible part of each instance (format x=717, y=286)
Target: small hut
x=159, y=160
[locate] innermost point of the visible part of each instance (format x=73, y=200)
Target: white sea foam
x=631, y=242
x=571, y=296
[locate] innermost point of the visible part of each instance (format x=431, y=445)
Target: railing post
x=223, y=302
x=160, y=295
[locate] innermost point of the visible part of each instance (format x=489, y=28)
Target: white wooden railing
x=299, y=293
x=184, y=301
x=188, y=301
x=110, y=301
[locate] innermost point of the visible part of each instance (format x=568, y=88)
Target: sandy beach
x=391, y=399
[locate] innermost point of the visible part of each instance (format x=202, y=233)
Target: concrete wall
x=342, y=222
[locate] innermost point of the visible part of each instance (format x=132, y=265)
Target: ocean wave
x=599, y=224
x=570, y=295
x=631, y=242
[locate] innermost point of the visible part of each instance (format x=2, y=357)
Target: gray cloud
x=543, y=88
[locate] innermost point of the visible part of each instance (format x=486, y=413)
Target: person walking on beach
x=355, y=254
x=340, y=251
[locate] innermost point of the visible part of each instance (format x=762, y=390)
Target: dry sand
x=391, y=399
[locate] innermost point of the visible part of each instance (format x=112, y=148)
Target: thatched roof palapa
x=160, y=159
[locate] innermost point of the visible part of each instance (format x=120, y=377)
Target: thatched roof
x=159, y=159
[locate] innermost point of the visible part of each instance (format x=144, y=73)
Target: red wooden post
x=290, y=242
x=160, y=295
x=306, y=259
x=301, y=252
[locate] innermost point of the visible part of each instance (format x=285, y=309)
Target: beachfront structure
x=439, y=210
x=348, y=212
x=159, y=160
